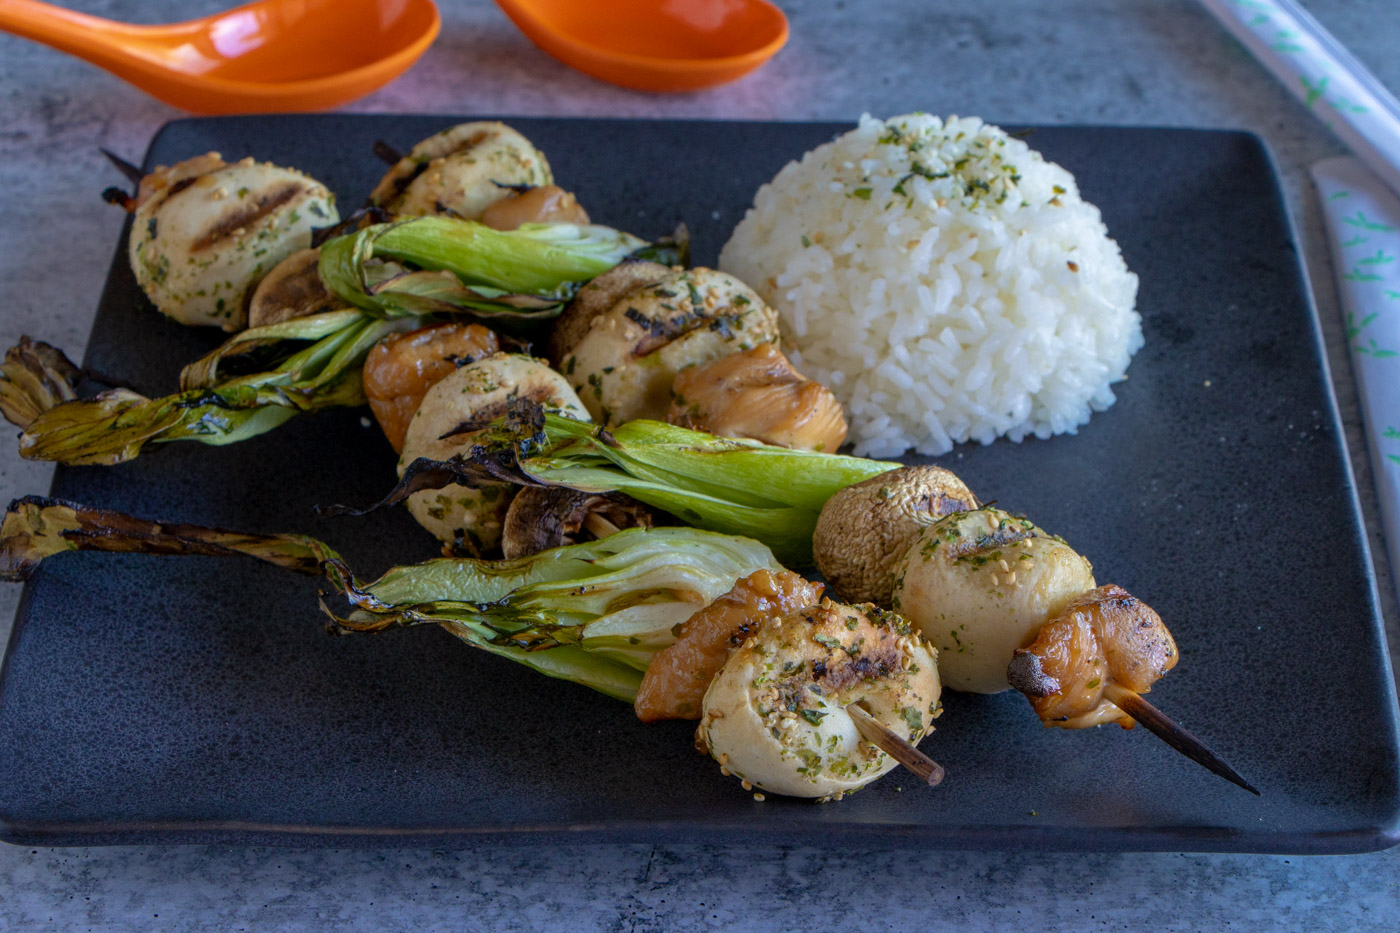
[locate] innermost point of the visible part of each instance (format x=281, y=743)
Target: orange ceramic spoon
x=266, y=56
x=654, y=45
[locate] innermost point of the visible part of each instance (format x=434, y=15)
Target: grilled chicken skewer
x=1090, y=664
x=786, y=685
x=1009, y=605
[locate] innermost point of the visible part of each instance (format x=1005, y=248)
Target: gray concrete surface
x=1144, y=62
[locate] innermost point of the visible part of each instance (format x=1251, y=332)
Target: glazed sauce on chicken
x=401, y=369
x=676, y=679
x=546, y=204
x=1105, y=636
x=758, y=395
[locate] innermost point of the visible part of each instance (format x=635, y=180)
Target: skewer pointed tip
x=132, y=172
x=1162, y=726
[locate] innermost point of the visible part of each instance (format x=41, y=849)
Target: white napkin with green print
x=1363, y=226
x=1322, y=74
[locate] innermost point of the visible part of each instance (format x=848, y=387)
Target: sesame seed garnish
x=746, y=785
x=759, y=797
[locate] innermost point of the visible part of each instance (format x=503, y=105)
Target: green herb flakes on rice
x=945, y=281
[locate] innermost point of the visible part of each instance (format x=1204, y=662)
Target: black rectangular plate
x=199, y=700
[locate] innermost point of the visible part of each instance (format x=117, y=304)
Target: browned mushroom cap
x=542, y=517
x=292, y=289
x=597, y=297
x=864, y=530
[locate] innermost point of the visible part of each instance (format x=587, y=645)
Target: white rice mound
x=945, y=281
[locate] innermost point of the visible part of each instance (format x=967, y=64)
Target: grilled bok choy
x=740, y=487
x=393, y=276
x=592, y=613
x=444, y=264
x=313, y=363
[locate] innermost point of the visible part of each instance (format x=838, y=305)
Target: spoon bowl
x=272, y=55
x=654, y=45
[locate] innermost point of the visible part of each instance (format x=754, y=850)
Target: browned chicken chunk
x=758, y=395
x=401, y=369
x=546, y=204
x=1103, y=640
x=678, y=676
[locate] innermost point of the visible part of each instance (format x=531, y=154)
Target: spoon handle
x=91, y=38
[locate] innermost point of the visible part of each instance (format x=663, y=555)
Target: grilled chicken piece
x=758, y=395
x=980, y=584
x=678, y=676
x=597, y=298
x=1107, y=636
x=469, y=520
x=625, y=361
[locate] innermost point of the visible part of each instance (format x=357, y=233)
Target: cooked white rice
x=945, y=281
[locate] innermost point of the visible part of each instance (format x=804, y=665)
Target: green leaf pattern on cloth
x=1277, y=28
x=1368, y=285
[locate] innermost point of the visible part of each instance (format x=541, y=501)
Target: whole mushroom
x=864, y=530
x=543, y=517
x=291, y=290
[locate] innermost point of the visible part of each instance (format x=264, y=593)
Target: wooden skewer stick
x=1161, y=725
x=386, y=152
x=889, y=742
x=132, y=172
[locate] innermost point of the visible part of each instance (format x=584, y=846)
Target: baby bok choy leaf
x=443, y=264
x=592, y=613
x=737, y=487
x=312, y=363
